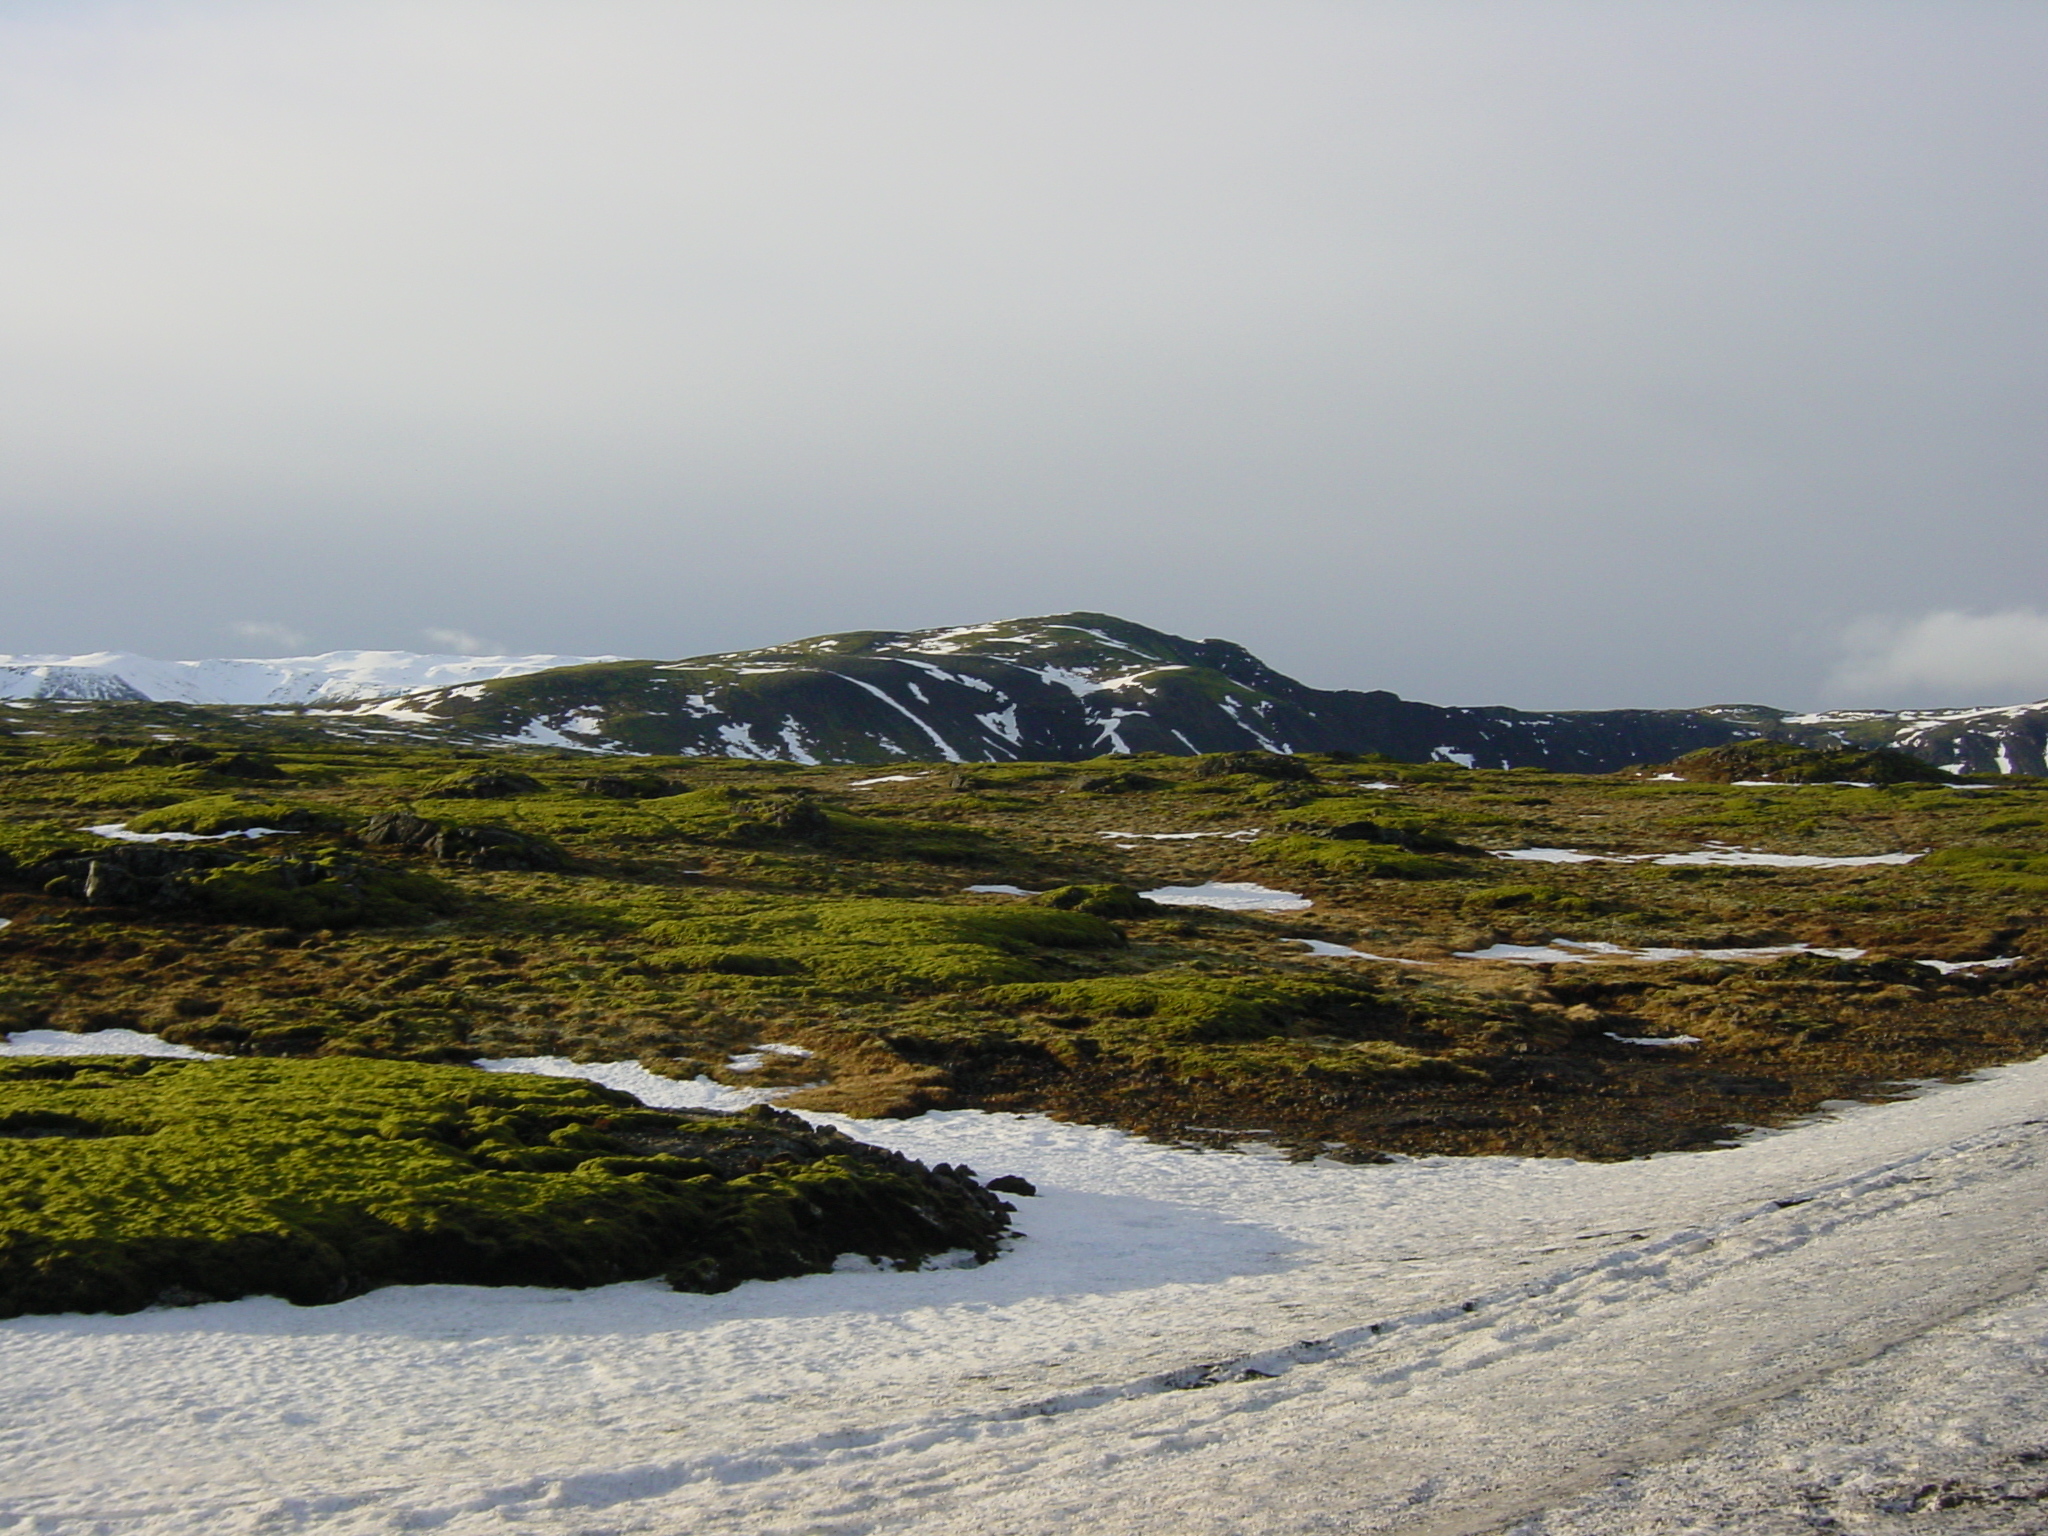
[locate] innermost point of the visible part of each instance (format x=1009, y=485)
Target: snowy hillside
x=1062, y=687
x=331, y=677
x=2008, y=738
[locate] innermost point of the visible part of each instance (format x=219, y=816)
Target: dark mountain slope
x=1070, y=686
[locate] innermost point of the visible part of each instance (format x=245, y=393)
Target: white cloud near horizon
x=461, y=642
x=283, y=636
x=1948, y=657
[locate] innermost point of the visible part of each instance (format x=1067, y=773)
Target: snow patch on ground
x=648, y=1087
x=1713, y=855
x=1345, y=951
x=96, y=1042
x=1569, y=951
x=1229, y=896
x=118, y=832
x=1659, y=1040
x=1245, y=836
x=761, y=1055
x=1835, y=1320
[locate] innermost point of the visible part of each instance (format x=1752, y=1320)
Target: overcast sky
x=1547, y=353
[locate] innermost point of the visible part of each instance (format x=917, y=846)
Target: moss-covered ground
x=434, y=904
x=126, y=1182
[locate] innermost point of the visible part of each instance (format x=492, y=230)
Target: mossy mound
x=1780, y=762
x=484, y=784
x=1143, y=1011
x=126, y=1181
x=2015, y=871
x=1280, y=766
x=480, y=847
x=326, y=889
x=627, y=786
x=1371, y=860
x=219, y=762
x=878, y=946
x=211, y=815
x=1100, y=901
x=747, y=817
x=1366, y=821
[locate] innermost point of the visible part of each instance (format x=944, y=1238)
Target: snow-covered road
x=1185, y=1343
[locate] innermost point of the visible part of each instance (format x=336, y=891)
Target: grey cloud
x=1553, y=354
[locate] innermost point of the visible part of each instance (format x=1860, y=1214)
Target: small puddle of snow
x=1654, y=1039
x=1229, y=896
x=887, y=778
x=998, y=890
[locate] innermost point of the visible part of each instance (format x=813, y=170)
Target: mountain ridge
x=1061, y=687
x=1056, y=687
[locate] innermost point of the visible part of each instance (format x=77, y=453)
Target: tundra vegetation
x=427, y=904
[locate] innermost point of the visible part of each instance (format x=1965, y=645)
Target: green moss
x=1100, y=901
x=1185, y=1009
x=215, y=814
x=1523, y=898
x=877, y=946
x=1784, y=763
x=748, y=817
x=2014, y=871
x=331, y=890
x=483, y=784
x=1365, y=860
x=122, y=1180
x=25, y=844
x=1373, y=1063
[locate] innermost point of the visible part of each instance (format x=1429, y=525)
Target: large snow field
x=1185, y=1343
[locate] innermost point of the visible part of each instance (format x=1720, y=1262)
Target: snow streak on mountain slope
x=1067, y=687
x=1186, y=1344
x=331, y=677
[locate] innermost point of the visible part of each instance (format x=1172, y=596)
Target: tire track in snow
x=926, y=1474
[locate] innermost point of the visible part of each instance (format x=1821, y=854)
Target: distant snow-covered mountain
x=333, y=677
x=1064, y=686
